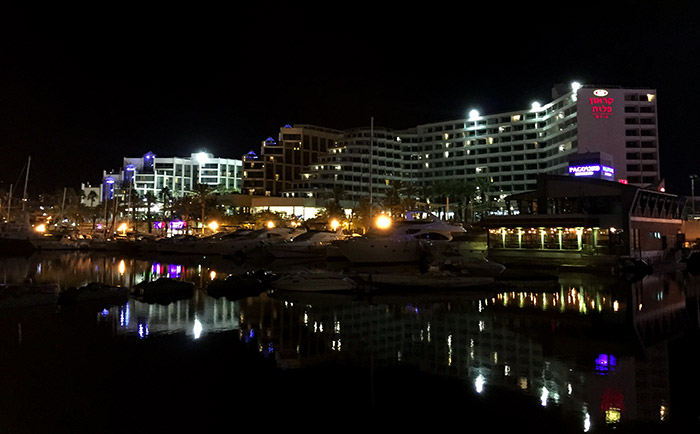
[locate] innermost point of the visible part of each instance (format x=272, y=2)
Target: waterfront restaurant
x=570, y=220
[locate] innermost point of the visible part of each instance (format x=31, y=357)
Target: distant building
x=180, y=175
x=504, y=151
x=280, y=164
x=91, y=194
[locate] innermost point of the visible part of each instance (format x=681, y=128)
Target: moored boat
x=314, y=281
x=431, y=281
x=312, y=244
x=28, y=294
x=239, y=246
x=238, y=286
x=15, y=239
x=95, y=292
x=163, y=289
x=408, y=241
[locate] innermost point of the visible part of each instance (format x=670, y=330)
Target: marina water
x=593, y=353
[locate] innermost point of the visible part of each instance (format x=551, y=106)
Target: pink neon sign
x=601, y=104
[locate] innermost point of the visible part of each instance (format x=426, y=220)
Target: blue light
x=605, y=363
x=143, y=330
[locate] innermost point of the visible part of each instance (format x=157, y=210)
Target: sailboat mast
x=9, y=204
x=26, y=179
x=371, y=152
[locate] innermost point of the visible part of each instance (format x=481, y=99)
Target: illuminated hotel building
x=506, y=150
x=279, y=165
x=152, y=174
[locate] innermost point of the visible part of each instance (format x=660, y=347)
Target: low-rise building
x=569, y=220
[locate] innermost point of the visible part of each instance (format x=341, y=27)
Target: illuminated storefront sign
x=601, y=103
x=592, y=169
x=177, y=225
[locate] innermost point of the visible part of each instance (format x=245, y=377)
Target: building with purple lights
x=179, y=175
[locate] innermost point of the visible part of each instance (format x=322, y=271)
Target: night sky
x=83, y=87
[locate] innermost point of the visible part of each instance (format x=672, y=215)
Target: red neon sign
x=601, y=104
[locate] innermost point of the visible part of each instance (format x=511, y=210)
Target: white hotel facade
x=506, y=150
x=151, y=174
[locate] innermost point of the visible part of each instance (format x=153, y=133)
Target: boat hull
x=383, y=251
x=312, y=282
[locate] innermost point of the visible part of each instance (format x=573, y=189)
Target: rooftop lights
x=473, y=115
x=202, y=157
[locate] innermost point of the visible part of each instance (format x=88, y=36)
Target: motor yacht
x=407, y=241
x=312, y=244
x=254, y=239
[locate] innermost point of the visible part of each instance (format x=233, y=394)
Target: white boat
x=208, y=245
x=59, y=242
x=314, y=281
x=178, y=244
x=431, y=281
x=239, y=246
x=408, y=241
x=311, y=244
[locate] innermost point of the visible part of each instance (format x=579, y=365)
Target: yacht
x=312, y=244
x=407, y=241
x=252, y=240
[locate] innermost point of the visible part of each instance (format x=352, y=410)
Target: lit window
x=650, y=97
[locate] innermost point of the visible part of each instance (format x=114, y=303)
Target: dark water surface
x=594, y=354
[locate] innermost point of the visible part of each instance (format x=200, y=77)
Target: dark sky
x=82, y=87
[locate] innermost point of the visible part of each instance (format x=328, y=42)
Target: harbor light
x=383, y=222
x=270, y=224
x=40, y=228
x=213, y=226
x=122, y=228
x=335, y=224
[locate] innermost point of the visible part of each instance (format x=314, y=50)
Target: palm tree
x=92, y=197
x=150, y=199
x=393, y=200
x=202, y=192
x=165, y=196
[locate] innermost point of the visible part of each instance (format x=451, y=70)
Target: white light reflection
x=479, y=383
x=197, y=329
x=544, y=397
x=449, y=350
x=586, y=419
x=142, y=330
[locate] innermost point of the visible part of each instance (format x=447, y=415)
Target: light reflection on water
x=598, y=349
